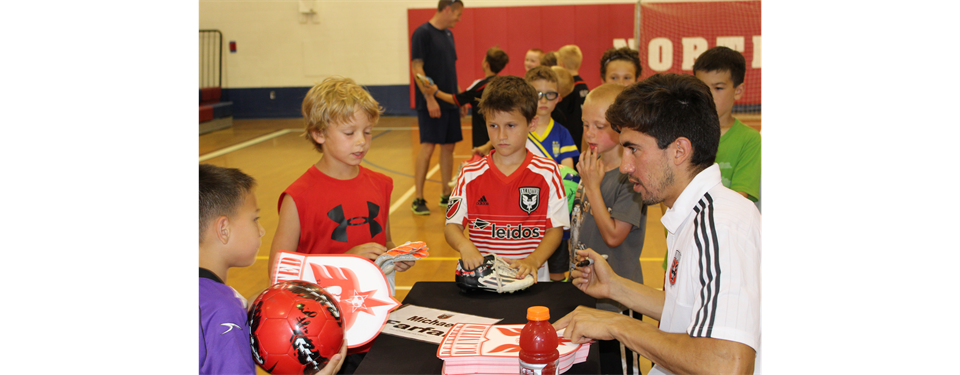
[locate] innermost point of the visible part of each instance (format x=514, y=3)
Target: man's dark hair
x=668, y=106
x=445, y=3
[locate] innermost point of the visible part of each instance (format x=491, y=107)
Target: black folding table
x=397, y=355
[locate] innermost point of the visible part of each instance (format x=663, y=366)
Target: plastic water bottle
x=538, y=344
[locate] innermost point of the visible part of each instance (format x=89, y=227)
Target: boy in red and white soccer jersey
x=511, y=201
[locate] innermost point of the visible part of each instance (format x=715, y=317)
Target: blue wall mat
x=395, y=99
x=250, y=103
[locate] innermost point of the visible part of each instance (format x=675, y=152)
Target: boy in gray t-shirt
x=622, y=204
x=608, y=216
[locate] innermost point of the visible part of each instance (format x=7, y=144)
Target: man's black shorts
x=443, y=130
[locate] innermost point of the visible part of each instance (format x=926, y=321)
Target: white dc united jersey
x=712, y=282
x=509, y=215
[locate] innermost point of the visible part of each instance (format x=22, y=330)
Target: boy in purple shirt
x=230, y=234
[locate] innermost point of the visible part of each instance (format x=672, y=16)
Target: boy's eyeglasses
x=552, y=95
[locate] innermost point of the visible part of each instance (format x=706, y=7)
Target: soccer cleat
x=493, y=275
x=444, y=199
x=419, y=207
x=406, y=252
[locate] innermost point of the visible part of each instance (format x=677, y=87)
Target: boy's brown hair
x=722, y=59
x=497, y=59
x=509, y=93
x=335, y=100
x=570, y=56
x=549, y=59
x=544, y=73
x=623, y=53
x=222, y=192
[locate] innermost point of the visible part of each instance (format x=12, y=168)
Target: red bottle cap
x=538, y=313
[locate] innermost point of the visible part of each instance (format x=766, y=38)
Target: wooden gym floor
x=273, y=152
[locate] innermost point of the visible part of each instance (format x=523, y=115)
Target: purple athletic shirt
x=224, y=334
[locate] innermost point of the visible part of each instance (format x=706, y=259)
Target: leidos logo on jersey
x=513, y=233
x=529, y=199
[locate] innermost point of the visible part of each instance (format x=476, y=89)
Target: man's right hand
x=598, y=279
x=433, y=107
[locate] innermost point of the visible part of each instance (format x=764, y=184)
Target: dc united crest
x=673, y=268
x=529, y=199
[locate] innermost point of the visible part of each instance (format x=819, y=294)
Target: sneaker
x=419, y=207
x=494, y=275
x=444, y=199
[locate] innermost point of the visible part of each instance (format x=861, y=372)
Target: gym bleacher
x=215, y=114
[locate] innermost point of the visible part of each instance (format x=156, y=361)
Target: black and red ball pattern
x=295, y=327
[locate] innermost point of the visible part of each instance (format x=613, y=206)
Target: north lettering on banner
x=660, y=50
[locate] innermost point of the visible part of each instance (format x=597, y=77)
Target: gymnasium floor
x=273, y=152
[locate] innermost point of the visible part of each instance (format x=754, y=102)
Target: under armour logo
x=340, y=233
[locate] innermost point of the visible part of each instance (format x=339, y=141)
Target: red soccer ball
x=295, y=327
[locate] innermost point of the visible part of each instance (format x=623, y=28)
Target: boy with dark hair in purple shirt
x=229, y=237
x=230, y=234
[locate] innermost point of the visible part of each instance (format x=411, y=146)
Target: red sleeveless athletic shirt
x=336, y=215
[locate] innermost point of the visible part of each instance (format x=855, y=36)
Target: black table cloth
x=397, y=355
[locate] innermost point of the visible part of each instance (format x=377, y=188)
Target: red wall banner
x=672, y=35
x=676, y=32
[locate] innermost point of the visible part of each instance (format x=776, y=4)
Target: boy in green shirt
x=723, y=70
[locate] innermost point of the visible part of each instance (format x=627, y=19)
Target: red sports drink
x=538, y=344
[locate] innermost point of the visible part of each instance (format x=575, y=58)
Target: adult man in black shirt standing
x=433, y=54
